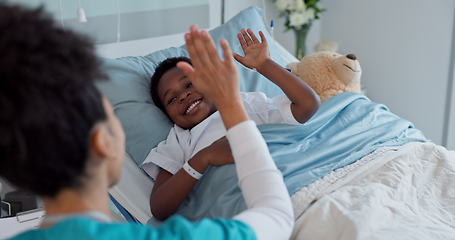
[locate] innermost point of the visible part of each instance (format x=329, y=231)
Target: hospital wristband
x=191, y=171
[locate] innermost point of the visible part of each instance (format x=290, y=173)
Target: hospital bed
x=391, y=185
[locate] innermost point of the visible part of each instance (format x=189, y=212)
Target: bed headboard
x=145, y=46
x=139, y=47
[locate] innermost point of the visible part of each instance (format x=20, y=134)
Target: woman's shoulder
x=84, y=228
x=176, y=227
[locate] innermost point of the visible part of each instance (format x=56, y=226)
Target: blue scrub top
x=175, y=228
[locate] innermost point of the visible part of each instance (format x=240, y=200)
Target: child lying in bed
x=197, y=139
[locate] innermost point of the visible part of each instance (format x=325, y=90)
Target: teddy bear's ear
x=326, y=46
x=293, y=66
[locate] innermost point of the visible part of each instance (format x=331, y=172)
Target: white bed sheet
x=395, y=193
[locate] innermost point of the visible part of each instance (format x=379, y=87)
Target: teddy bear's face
x=347, y=69
x=329, y=73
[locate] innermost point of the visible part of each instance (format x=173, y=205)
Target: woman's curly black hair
x=48, y=101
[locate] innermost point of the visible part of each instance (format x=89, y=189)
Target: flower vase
x=300, y=40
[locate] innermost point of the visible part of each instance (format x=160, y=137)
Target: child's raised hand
x=256, y=52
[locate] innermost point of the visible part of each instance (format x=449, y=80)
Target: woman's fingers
x=211, y=75
x=191, y=39
x=199, y=45
x=187, y=69
x=211, y=48
x=192, y=51
x=227, y=53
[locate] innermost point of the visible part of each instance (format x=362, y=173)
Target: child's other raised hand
x=256, y=53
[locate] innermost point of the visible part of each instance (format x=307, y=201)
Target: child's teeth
x=192, y=106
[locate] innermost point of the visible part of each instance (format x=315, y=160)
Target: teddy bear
x=329, y=73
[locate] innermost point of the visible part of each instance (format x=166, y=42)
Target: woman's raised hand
x=215, y=78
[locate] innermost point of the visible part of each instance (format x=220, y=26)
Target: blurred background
x=405, y=47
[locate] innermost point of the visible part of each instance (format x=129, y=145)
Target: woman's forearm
x=232, y=111
x=269, y=211
x=305, y=101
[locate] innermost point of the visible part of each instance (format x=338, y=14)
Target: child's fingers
x=246, y=37
x=252, y=36
x=227, y=53
x=242, y=41
x=263, y=39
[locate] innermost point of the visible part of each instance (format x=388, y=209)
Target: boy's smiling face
x=184, y=105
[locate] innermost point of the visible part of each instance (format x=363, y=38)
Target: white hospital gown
x=182, y=144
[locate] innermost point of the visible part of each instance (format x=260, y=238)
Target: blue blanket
x=346, y=128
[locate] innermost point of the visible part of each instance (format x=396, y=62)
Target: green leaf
x=311, y=3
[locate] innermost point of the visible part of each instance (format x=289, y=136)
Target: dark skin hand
x=305, y=102
x=164, y=202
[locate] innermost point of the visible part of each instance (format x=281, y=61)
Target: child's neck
x=209, y=115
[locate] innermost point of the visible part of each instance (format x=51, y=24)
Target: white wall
x=404, y=48
x=450, y=108
x=149, y=18
x=451, y=128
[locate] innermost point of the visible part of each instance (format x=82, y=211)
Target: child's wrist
x=261, y=66
x=200, y=161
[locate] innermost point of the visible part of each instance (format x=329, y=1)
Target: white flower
x=297, y=5
x=297, y=19
x=283, y=5
x=309, y=14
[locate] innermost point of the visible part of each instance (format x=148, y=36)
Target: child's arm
x=170, y=190
x=305, y=102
